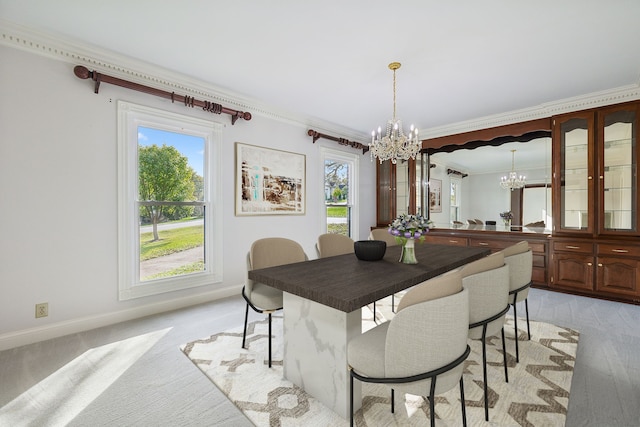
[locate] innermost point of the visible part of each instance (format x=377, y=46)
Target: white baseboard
x=30, y=336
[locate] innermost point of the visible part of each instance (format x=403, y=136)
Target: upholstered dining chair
x=487, y=281
x=383, y=234
x=422, y=348
x=268, y=252
x=519, y=257
x=332, y=244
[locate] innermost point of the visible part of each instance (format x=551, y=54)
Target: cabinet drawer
x=581, y=247
x=606, y=249
x=537, y=248
x=446, y=240
x=490, y=243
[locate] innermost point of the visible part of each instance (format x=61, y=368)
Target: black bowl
x=370, y=250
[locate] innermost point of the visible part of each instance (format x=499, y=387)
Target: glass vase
x=408, y=255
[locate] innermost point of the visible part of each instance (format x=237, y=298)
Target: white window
x=169, y=198
x=340, y=170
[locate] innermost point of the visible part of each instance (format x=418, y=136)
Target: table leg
x=315, y=351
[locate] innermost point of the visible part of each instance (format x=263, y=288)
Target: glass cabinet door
x=574, y=136
x=617, y=130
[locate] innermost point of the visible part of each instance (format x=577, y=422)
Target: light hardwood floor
x=72, y=380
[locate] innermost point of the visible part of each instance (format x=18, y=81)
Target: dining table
x=322, y=301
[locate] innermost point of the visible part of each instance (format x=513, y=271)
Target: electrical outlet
x=42, y=309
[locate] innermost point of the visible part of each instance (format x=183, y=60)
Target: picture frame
x=269, y=181
x=435, y=195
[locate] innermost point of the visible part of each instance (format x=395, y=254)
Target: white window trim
x=354, y=172
x=130, y=116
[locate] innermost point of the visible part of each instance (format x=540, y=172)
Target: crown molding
x=582, y=102
x=104, y=61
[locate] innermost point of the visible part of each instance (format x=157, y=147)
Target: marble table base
x=315, y=351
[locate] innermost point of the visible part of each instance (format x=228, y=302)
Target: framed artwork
x=435, y=195
x=269, y=182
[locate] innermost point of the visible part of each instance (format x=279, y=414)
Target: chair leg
x=515, y=323
x=374, y=312
x=504, y=355
x=526, y=306
x=246, y=317
x=484, y=372
x=393, y=401
x=351, y=397
x=269, y=339
x=393, y=303
x=432, y=400
x=463, y=403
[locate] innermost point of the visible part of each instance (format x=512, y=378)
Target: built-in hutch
x=592, y=246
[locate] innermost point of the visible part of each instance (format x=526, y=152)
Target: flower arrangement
x=409, y=226
x=506, y=215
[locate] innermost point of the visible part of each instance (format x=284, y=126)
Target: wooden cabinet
x=609, y=269
x=496, y=241
x=595, y=186
x=573, y=265
x=595, y=183
x=400, y=189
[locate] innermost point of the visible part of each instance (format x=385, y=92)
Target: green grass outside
x=337, y=211
x=185, y=269
x=171, y=241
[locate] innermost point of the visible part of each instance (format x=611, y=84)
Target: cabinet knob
x=589, y=264
x=572, y=247
x=601, y=177
x=453, y=241
x=620, y=251
x=483, y=244
x=590, y=177
x=599, y=264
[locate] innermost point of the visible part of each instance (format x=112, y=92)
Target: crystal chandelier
x=513, y=181
x=394, y=145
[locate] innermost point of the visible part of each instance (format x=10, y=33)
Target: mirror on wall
x=474, y=176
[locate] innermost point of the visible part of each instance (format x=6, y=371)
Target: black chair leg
x=515, y=323
x=374, y=312
x=484, y=373
x=246, y=317
x=393, y=303
x=504, y=355
x=526, y=306
x=393, y=401
x=463, y=403
x=432, y=400
x=269, y=339
x=351, y=397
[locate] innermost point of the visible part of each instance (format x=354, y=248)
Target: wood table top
x=346, y=283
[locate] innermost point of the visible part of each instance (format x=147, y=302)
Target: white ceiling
x=328, y=59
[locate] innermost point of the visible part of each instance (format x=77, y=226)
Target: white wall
x=58, y=201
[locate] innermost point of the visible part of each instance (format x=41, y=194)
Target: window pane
x=170, y=196
x=337, y=200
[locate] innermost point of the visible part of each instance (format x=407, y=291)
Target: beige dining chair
x=333, y=244
x=487, y=281
x=393, y=353
x=268, y=252
x=383, y=234
x=519, y=257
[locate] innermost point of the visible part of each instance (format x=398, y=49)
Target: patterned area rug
x=537, y=393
